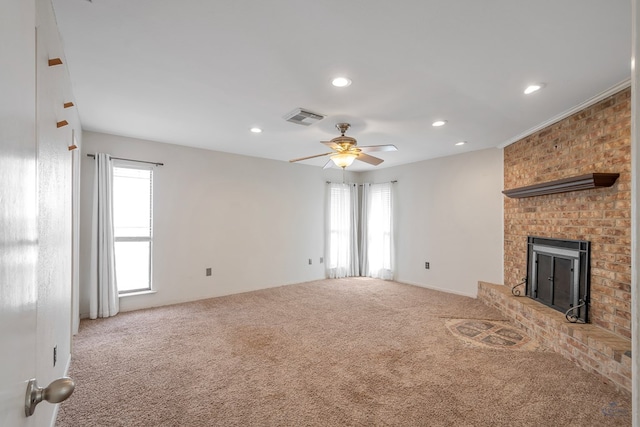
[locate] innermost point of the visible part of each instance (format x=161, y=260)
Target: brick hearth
x=593, y=348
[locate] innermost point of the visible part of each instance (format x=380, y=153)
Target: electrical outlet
x=208, y=271
x=426, y=265
x=310, y=262
x=321, y=260
x=55, y=355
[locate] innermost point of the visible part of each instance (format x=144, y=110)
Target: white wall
x=449, y=213
x=54, y=313
x=635, y=215
x=256, y=222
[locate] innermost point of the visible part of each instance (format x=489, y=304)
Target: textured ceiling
x=201, y=72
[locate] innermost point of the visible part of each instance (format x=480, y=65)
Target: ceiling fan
x=345, y=150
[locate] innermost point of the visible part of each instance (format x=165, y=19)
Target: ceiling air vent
x=303, y=117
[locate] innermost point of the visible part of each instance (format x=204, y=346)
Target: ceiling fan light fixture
x=343, y=159
x=345, y=150
x=341, y=82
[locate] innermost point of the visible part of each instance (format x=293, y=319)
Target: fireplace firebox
x=558, y=275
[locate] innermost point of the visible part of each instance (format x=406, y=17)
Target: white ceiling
x=202, y=72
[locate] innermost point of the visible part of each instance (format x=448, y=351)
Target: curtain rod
x=393, y=182
x=130, y=160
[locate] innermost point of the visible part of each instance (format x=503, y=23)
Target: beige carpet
x=355, y=352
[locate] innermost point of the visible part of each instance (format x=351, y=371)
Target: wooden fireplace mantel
x=574, y=183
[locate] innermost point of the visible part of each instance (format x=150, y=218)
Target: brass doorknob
x=58, y=391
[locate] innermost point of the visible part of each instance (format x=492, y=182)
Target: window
x=360, y=241
x=133, y=226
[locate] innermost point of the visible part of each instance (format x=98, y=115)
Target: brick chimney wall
x=597, y=139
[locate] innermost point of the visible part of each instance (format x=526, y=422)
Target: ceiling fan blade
x=328, y=164
x=310, y=157
x=369, y=159
x=370, y=148
x=331, y=145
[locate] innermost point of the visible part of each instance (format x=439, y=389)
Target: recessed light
x=461, y=143
x=533, y=88
x=256, y=130
x=341, y=82
x=439, y=123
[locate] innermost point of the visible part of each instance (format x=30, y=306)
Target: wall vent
x=303, y=117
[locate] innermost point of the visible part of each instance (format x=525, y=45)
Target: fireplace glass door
x=558, y=274
x=555, y=281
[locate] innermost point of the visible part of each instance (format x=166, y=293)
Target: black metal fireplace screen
x=558, y=275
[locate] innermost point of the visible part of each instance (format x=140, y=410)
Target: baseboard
x=175, y=301
x=435, y=288
x=182, y=301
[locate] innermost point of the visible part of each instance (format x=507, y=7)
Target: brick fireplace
x=594, y=140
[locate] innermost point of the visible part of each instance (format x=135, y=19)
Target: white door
x=18, y=209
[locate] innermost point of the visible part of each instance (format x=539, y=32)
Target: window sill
x=133, y=294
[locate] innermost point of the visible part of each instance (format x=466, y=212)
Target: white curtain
x=377, y=244
x=103, y=289
x=342, y=231
x=364, y=238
